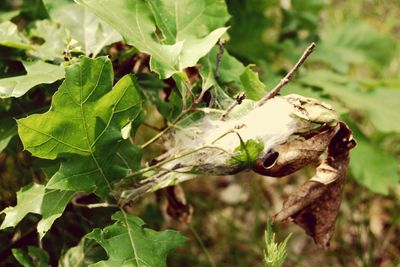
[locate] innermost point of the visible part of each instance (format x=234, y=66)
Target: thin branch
x=239, y=99
x=202, y=246
x=75, y=202
x=221, y=51
x=288, y=76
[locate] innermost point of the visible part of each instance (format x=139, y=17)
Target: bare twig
x=75, y=202
x=288, y=76
x=221, y=44
x=239, y=99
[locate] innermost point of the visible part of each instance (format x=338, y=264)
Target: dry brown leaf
x=177, y=206
x=315, y=206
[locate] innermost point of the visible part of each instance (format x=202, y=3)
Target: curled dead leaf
x=315, y=206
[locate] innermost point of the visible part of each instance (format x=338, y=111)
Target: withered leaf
x=177, y=206
x=315, y=206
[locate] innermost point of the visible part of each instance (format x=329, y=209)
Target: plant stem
x=203, y=247
x=155, y=138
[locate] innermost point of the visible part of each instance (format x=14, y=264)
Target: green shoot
x=275, y=253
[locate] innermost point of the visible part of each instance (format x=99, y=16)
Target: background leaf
x=38, y=72
x=90, y=32
x=10, y=37
x=229, y=71
x=252, y=86
x=248, y=25
x=353, y=42
x=55, y=40
x=85, y=253
x=35, y=257
x=8, y=129
x=34, y=198
x=379, y=105
x=29, y=199
x=373, y=167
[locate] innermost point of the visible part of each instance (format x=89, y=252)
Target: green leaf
x=85, y=130
x=29, y=199
x=35, y=257
x=52, y=207
x=185, y=19
x=248, y=152
x=10, y=37
x=180, y=46
x=8, y=129
x=38, y=72
x=371, y=166
x=90, y=32
x=151, y=85
x=55, y=40
x=182, y=85
x=275, y=252
x=85, y=253
x=36, y=199
x=380, y=105
x=354, y=42
x=174, y=107
x=252, y=86
x=228, y=84
x=128, y=243
x=230, y=69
